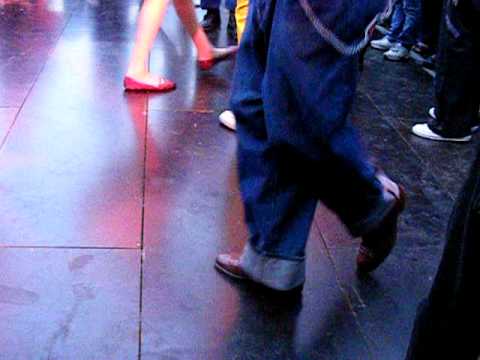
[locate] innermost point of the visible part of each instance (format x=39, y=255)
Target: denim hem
x=275, y=273
x=385, y=204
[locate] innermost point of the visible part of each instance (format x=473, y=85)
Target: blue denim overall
x=292, y=96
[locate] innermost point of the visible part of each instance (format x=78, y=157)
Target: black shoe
x=232, y=27
x=211, y=20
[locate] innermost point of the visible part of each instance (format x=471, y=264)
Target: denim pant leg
x=311, y=88
x=409, y=33
x=231, y=4
x=458, y=74
x=445, y=319
x=210, y=4
x=273, y=203
x=398, y=19
x=292, y=95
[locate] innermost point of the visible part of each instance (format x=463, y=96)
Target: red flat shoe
x=219, y=54
x=131, y=84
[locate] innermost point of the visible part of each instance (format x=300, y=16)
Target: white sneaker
x=423, y=131
x=227, y=119
x=397, y=52
x=382, y=44
x=433, y=115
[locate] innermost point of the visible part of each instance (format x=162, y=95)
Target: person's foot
x=227, y=119
x=378, y=243
x=218, y=54
x=397, y=52
x=229, y=264
x=382, y=44
x=424, y=131
x=473, y=129
x=232, y=27
x=147, y=82
x=211, y=20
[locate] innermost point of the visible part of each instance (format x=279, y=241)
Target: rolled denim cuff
x=275, y=273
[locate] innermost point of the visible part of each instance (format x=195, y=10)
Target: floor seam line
x=409, y=146
x=66, y=247
x=34, y=82
x=369, y=342
x=142, y=231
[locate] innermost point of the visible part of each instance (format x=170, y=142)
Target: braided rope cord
x=332, y=39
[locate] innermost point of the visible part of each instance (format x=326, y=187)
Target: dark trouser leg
x=431, y=16
x=444, y=328
x=458, y=74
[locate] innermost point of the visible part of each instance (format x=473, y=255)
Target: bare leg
x=150, y=20
x=186, y=13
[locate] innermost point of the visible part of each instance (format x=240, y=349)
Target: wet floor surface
x=113, y=206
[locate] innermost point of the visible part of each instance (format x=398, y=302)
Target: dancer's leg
x=186, y=13
x=150, y=19
x=206, y=51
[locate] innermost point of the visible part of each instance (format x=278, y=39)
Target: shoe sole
x=430, y=72
x=439, y=138
x=381, y=48
x=225, y=271
x=401, y=59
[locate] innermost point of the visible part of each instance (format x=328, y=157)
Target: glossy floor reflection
x=114, y=205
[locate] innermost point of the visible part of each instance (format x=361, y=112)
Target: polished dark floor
x=113, y=206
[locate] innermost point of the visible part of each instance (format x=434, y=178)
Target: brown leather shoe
x=229, y=264
x=378, y=243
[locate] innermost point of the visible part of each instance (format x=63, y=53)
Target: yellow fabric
x=241, y=12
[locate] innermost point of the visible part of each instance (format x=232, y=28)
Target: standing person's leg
x=409, y=32
x=292, y=141
x=458, y=75
x=398, y=20
x=389, y=40
x=446, y=323
x=431, y=18
x=456, y=90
